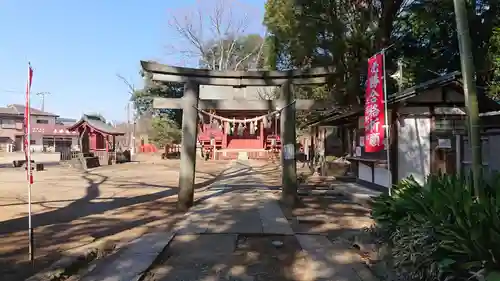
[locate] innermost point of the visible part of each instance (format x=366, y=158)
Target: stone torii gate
x=190, y=103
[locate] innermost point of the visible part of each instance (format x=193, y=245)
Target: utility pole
x=43, y=94
x=470, y=93
x=128, y=127
x=132, y=134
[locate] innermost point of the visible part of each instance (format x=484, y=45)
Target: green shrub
x=441, y=230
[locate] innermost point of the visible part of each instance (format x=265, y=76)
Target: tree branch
x=221, y=51
x=126, y=82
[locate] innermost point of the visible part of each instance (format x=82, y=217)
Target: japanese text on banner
x=374, y=105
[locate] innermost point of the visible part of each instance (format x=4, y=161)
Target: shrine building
x=244, y=134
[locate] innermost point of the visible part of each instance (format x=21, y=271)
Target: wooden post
x=224, y=134
x=394, y=145
x=261, y=132
x=188, y=147
x=288, y=143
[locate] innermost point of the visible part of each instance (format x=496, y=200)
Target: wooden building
x=229, y=140
x=48, y=133
x=255, y=139
x=97, y=138
x=427, y=133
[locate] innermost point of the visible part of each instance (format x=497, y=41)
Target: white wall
x=364, y=172
x=51, y=119
x=382, y=177
x=414, y=151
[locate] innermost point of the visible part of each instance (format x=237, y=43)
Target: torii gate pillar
x=288, y=149
x=188, y=145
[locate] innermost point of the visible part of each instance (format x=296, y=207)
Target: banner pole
x=27, y=113
x=386, y=121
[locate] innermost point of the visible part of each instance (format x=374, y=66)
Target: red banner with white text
x=27, y=127
x=374, y=105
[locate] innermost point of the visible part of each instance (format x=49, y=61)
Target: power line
x=11, y=91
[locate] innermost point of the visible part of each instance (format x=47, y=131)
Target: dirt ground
x=72, y=208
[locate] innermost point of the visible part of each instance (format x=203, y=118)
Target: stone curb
x=364, y=200
x=77, y=257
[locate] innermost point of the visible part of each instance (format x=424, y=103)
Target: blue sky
x=77, y=47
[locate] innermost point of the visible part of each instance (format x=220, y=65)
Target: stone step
x=242, y=155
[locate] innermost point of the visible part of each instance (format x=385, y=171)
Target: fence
x=67, y=155
x=490, y=149
x=105, y=157
x=175, y=148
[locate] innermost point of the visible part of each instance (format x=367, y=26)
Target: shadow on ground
x=227, y=247
x=236, y=234
x=88, y=218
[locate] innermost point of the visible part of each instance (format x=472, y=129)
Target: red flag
x=374, y=105
x=27, y=127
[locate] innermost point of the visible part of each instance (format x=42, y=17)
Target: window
x=42, y=121
x=8, y=123
x=32, y=142
x=48, y=142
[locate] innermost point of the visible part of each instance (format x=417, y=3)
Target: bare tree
x=131, y=126
x=213, y=33
x=130, y=86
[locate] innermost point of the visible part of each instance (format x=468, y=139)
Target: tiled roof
x=19, y=109
x=66, y=120
x=8, y=111
x=97, y=123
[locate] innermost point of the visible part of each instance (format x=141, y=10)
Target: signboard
x=444, y=143
x=289, y=151
x=358, y=150
x=374, y=105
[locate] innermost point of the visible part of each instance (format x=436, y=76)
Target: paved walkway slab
x=229, y=212
x=237, y=209
x=272, y=218
x=236, y=232
x=332, y=261
x=130, y=262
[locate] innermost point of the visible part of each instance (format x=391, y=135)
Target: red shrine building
x=232, y=134
x=97, y=137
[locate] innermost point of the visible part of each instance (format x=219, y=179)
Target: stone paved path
x=237, y=233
